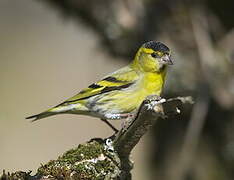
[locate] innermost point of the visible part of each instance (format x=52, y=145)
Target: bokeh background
x=50, y=49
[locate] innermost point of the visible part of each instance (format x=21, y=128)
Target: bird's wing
x=118, y=80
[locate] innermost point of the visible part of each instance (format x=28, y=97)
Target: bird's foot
x=129, y=117
x=153, y=101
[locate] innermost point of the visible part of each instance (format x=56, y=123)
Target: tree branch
x=105, y=158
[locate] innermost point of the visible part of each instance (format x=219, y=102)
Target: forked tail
x=40, y=116
x=59, y=109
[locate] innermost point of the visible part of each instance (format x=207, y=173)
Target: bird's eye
x=155, y=55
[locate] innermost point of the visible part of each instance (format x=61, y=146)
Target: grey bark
x=105, y=158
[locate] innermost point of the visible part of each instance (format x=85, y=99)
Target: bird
x=120, y=94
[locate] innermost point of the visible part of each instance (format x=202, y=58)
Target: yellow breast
x=152, y=83
x=149, y=84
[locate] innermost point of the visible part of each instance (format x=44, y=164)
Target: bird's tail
x=59, y=109
x=40, y=116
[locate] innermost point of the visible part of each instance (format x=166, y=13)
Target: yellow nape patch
x=150, y=51
x=147, y=50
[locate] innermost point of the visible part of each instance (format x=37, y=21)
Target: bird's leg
x=129, y=117
x=110, y=125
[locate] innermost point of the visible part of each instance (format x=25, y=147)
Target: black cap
x=156, y=46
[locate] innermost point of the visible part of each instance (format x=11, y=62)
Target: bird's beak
x=167, y=59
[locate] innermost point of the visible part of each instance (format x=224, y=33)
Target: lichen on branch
x=105, y=158
x=93, y=160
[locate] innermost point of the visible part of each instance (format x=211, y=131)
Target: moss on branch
x=104, y=159
x=95, y=159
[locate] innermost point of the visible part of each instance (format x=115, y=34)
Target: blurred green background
x=51, y=49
